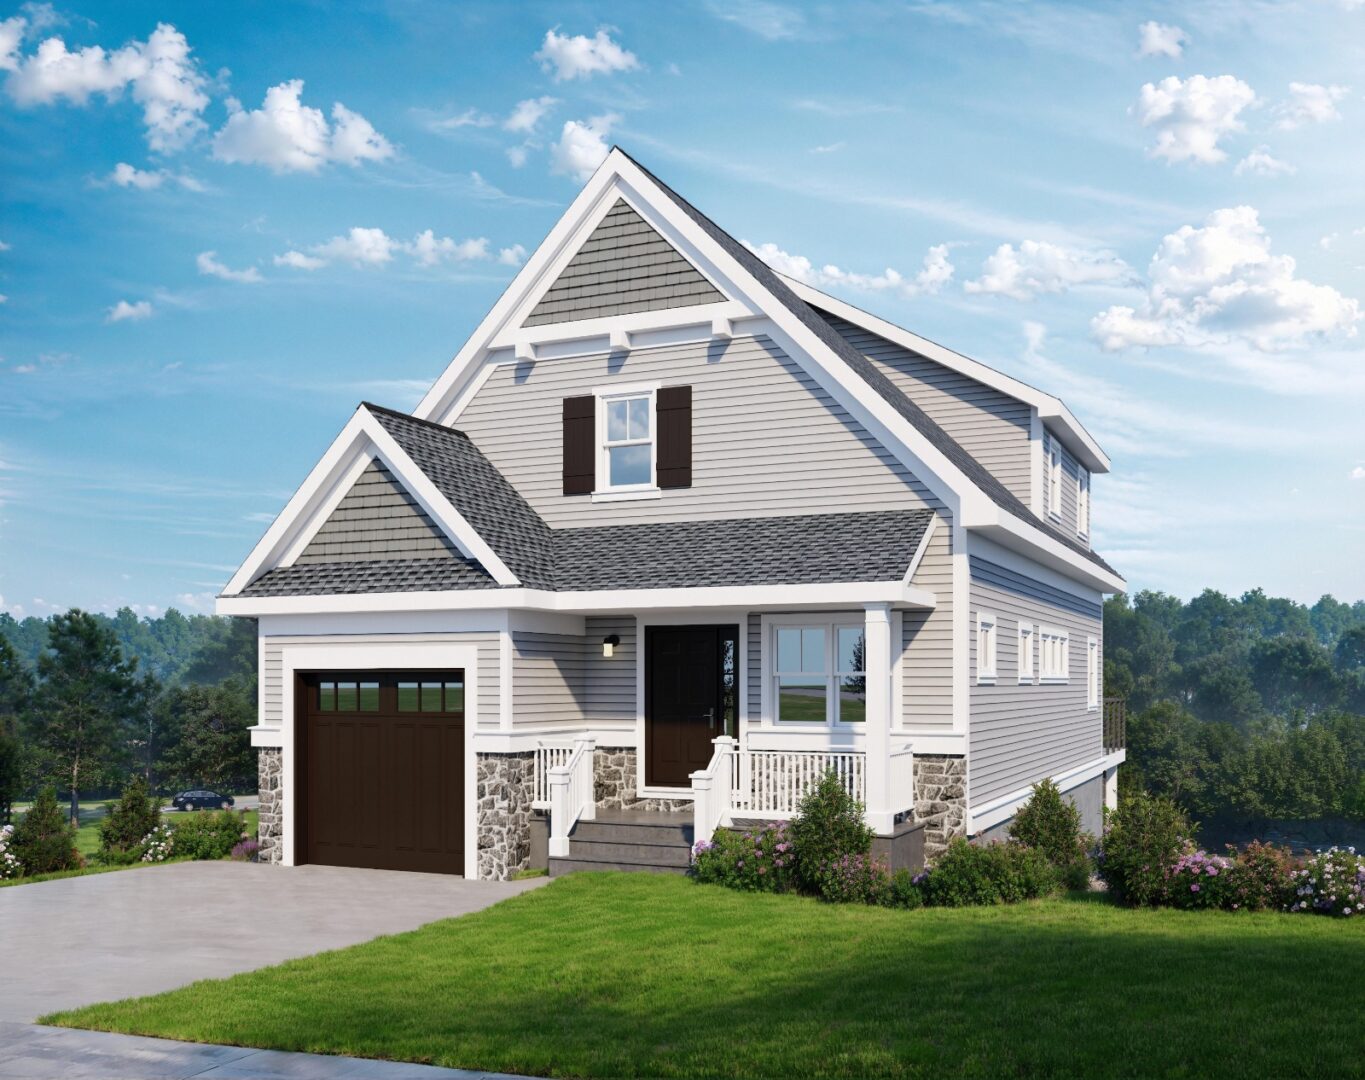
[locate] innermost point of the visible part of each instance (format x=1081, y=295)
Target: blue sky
x=225, y=225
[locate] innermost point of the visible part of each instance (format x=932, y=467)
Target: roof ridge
x=415, y=419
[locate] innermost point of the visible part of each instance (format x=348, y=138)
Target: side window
x=985, y=647
x=1054, y=477
x=1082, y=501
x=1027, y=634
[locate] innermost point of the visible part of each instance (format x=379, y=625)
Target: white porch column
x=877, y=661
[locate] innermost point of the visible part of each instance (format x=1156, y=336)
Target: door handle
x=711, y=718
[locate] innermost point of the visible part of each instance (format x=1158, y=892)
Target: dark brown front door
x=690, y=698
x=383, y=770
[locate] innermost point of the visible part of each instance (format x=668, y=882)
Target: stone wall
x=506, y=786
x=940, y=800
x=614, y=775
x=270, y=771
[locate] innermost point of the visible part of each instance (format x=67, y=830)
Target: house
x=670, y=537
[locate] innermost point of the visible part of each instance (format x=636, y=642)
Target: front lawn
x=635, y=974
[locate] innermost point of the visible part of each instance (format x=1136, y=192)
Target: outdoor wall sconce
x=609, y=644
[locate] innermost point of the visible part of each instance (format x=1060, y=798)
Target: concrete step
x=663, y=832
x=559, y=867
x=648, y=854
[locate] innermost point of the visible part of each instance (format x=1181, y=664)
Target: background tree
x=208, y=741
x=16, y=691
x=86, y=697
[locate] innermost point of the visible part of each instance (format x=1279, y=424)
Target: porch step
x=629, y=840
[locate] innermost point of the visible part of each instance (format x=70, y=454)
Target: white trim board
x=994, y=812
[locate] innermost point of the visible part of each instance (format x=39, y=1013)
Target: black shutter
x=674, y=463
x=580, y=445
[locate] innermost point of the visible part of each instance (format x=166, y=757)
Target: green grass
x=627, y=975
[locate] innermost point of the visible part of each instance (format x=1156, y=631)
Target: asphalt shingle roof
x=871, y=374
x=371, y=575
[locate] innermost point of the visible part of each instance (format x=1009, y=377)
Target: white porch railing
x=550, y=754
x=571, y=794
x=712, y=789
x=902, y=778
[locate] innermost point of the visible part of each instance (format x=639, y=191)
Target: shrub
x=44, y=840
x=10, y=866
x=208, y=835
x=828, y=826
x=1199, y=880
x=973, y=874
x=245, y=851
x=1261, y=878
x=127, y=824
x=1052, y=825
x=158, y=845
x=903, y=891
x=759, y=860
x=1332, y=883
x=854, y=879
x=1143, y=839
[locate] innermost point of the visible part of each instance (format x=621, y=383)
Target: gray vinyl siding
x=755, y=664
x=624, y=266
x=1088, y=798
x=1020, y=734
x=1070, y=479
x=927, y=639
x=990, y=425
x=766, y=440
x=610, y=688
x=272, y=671
x=549, y=679
x=376, y=519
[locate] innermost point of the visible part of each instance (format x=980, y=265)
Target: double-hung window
x=1082, y=501
x=1027, y=634
x=626, y=427
x=819, y=674
x=1092, y=673
x=1054, y=651
x=1054, y=477
x=985, y=647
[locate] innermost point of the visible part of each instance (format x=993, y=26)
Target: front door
x=690, y=698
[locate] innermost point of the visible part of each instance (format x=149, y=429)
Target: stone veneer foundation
x=270, y=828
x=506, y=787
x=940, y=800
x=613, y=776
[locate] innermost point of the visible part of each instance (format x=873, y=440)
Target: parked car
x=201, y=800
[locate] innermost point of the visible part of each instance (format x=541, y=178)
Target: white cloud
x=1037, y=266
x=360, y=247
x=11, y=37
x=4, y=299
x=829, y=148
x=527, y=114
x=4, y=246
x=1309, y=103
x=512, y=256
x=1158, y=39
x=582, y=57
x=1191, y=115
x=935, y=272
x=471, y=117
x=1260, y=163
x=208, y=263
x=285, y=135
x=774, y=22
x=517, y=156
x=124, y=311
x=162, y=76
x=125, y=175
x=428, y=250
x=297, y=260
x=1328, y=241
x=1219, y=283
x=582, y=146
x=1358, y=473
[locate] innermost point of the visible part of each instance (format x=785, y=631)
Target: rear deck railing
x=1115, y=724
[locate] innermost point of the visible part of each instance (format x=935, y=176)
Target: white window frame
x=831, y=674
x=605, y=490
x=1092, y=673
x=1028, y=636
x=1082, y=501
x=1054, y=477
x=987, y=647
x=1054, y=673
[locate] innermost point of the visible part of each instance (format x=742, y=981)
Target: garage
x=383, y=770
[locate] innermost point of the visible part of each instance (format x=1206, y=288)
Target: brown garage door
x=383, y=776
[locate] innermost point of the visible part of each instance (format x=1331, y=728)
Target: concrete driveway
x=84, y=940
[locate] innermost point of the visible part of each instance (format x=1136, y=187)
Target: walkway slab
x=84, y=940
x=31, y=1052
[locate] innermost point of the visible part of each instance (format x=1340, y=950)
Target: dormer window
x=627, y=427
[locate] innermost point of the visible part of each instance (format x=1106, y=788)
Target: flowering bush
x=904, y=890
x=1261, y=878
x=853, y=879
x=828, y=826
x=246, y=851
x=1199, y=880
x=758, y=860
x=9, y=862
x=1333, y=883
x=158, y=845
x=970, y=874
x=1142, y=841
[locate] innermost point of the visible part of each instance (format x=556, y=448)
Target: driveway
x=108, y=936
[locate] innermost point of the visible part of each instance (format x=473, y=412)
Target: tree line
x=1242, y=709
x=89, y=700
